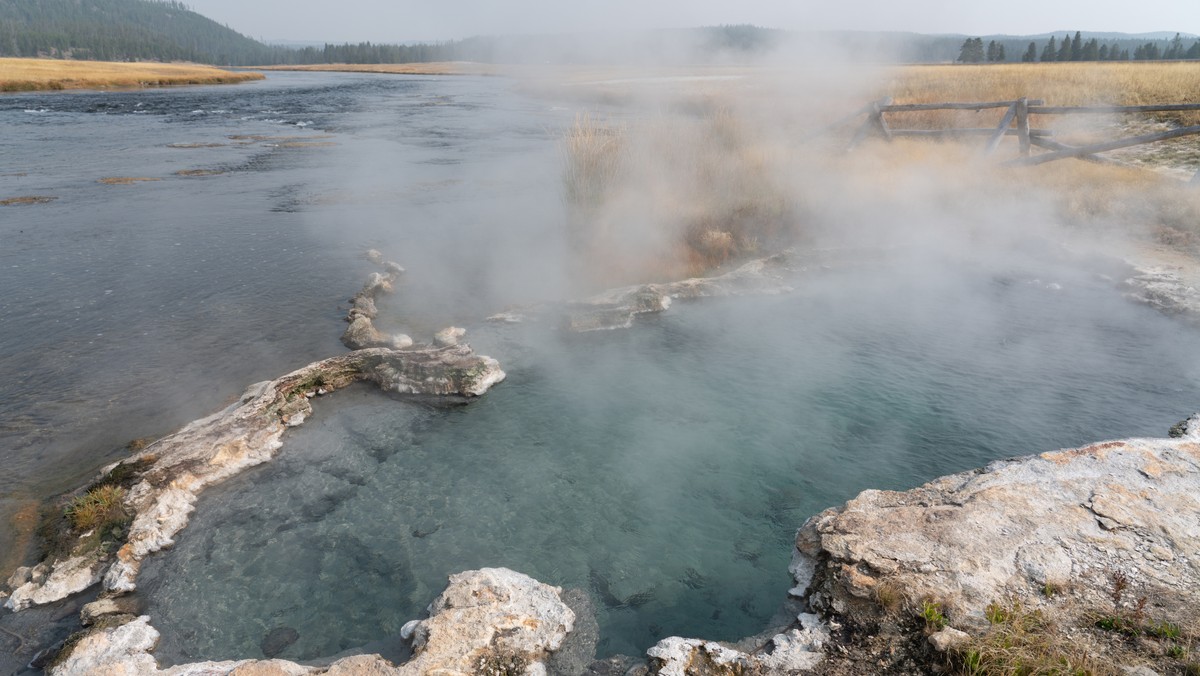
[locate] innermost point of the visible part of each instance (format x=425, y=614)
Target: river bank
x=24, y=75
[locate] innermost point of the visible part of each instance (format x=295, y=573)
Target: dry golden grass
x=431, y=68
x=1067, y=84
x=43, y=74
x=199, y=172
x=1058, y=84
x=265, y=137
x=125, y=180
x=721, y=170
x=28, y=199
x=96, y=508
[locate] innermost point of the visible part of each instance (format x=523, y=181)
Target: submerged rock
x=95, y=611
x=277, y=640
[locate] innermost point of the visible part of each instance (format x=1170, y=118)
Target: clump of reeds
x=670, y=195
x=593, y=151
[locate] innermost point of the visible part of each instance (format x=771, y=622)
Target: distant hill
x=116, y=30
x=166, y=30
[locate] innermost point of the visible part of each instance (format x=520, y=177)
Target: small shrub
x=1176, y=651
x=931, y=612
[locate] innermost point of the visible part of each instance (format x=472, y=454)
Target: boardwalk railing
x=1016, y=123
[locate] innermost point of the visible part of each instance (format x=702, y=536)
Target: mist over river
x=663, y=469
x=128, y=310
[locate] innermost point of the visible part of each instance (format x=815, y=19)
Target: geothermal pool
x=664, y=468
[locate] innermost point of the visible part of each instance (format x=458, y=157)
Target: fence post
x=1023, y=125
x=874, y=121
x=994, y=141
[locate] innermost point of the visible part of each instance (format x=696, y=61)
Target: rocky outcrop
x=51, y=581
x=796, y=649
x=1165, y=290
x=1107, y=530
x=361, y=333
x=489, y=621
x=175, y=469
x=617, y=308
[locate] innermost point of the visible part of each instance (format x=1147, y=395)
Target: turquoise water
x=664, y=468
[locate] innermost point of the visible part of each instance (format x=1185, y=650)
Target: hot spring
x=663, y=469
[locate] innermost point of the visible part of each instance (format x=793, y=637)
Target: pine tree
x=1049, y=53
x=972, y=51
x=1175, y=48
x=1077, y=47
x=1102, y=55
x=1030, y=54
x=1064, y=51
x=1091, y=50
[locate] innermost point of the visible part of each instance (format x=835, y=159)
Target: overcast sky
x=393, y=21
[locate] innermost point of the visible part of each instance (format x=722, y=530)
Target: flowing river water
x=663, y=469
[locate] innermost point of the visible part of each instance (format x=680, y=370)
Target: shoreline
x=38, y=75
x=422, y=68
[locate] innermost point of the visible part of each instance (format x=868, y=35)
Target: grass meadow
x=49, y=74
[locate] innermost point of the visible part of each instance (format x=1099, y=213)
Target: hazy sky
x=390, y=21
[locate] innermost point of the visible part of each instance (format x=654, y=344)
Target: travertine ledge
x=173, y=471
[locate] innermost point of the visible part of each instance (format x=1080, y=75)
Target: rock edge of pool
x=889, y=581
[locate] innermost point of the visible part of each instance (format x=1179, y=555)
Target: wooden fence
x=1016, y=123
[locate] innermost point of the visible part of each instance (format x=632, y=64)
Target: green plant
x=1119, y=624
x=1164, y=629
x=931, y=612
x=997, y=613
x=1176, y=651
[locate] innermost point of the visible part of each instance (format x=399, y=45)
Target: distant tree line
x=167, y=30
x=1076, y=49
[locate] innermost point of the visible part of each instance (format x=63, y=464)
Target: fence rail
x=1015, y=122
